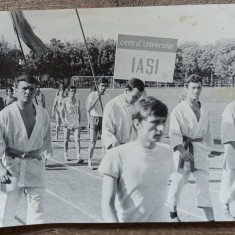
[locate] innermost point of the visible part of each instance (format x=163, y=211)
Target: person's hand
x=65, y=124
x=4, y=175
x=186, y=155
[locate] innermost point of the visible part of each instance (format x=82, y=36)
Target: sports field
x=214, y=98
x=73, y=193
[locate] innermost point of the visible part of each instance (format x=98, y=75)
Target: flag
x=25, y=32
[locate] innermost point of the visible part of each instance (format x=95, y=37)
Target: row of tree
x=214, y=62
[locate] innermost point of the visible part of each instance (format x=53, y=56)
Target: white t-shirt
x=97, y=110
x=143, y=176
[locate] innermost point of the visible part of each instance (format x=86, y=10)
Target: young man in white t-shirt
x=95, y=108
x=136, y=174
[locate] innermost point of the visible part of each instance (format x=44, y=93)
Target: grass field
x=215, y=99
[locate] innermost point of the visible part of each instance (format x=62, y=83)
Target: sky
x=200, y=23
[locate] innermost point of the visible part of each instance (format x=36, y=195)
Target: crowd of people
x=136, y=166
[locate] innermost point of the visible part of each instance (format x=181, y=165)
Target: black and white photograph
x=117, y=115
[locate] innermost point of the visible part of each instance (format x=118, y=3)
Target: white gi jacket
x=228, y=134
x=13, y=134
x=117, y=121
x=183, y=122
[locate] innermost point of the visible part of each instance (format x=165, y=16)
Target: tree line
x=214, y=62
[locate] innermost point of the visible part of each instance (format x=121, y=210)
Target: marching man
x=95, y=110
x=227, y=188
x=70, y=114
x=136, y=174
x=190, y=136
x=25, y=141
x=117, y=125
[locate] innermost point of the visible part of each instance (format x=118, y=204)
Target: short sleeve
x=110, y=165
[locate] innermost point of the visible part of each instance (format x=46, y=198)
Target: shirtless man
x=71, y=116
x=25, y=142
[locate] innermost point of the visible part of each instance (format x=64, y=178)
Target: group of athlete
x=136, y=166
x=66, y=110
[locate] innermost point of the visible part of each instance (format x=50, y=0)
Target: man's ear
x=136, y=124
x=126, y=90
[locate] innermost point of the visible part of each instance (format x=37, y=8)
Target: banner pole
x=89, y=58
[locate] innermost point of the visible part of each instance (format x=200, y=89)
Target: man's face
x=72, y=92
x=151, y=129
x=9, y=92
x=61, y=92
x=194, y=90
x=38, y=88
x=102, y=88
x=133, y=96
x=25, y=91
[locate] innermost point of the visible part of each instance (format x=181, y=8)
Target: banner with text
x=147, y=58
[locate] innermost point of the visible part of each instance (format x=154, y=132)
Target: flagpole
x=22, y=51
x=89, y=58
x=21, y=48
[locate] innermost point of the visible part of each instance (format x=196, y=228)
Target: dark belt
x=14, y=153
x=189, y=146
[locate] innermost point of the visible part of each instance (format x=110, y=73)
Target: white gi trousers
x=35, y=210
x=178, y=180
x=227, y=186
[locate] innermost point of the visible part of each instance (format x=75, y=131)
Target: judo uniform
x=183, y=123
x=117, y=121
x=28, y=166
x=227, y=188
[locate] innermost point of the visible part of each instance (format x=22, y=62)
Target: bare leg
x=88, y=125
x=66, y=142
x=77, y=144
x=58, y=123
x=209, y=213
x=93, y=138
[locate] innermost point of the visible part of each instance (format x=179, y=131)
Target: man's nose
x=160, y=127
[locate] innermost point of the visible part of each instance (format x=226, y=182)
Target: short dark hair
x=93, y=88
x=72, y=87
x=193, y=78
x=26, y=78
x=149, y=106
x=103, y=80
x=62, y=87
x=9, y=88
x=135, y=83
